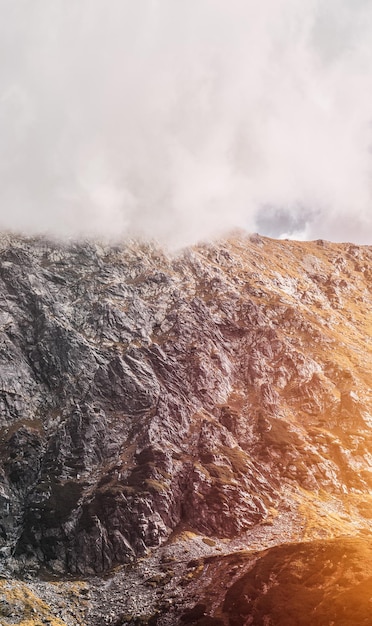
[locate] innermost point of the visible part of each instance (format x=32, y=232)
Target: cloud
x=180, y=120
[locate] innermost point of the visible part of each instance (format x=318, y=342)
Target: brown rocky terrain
x=174, y=427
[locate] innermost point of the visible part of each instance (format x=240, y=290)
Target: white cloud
x=183, y=119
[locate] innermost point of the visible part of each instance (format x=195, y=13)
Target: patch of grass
x=221, y=472
x=154, y=485
x=237, y=458
x=31, y=609
x=195, y=573
x=209, y=542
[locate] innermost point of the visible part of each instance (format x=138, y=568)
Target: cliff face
x=143, y=394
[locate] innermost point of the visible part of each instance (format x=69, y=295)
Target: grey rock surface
x=143, y=393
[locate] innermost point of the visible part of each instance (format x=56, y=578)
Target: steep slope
x=142, y=395
x=317, y=583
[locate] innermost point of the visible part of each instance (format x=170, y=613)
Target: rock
x=144, y=394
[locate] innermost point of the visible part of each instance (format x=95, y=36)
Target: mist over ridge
x=183, y=120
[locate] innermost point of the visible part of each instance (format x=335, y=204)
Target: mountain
x=166, y=416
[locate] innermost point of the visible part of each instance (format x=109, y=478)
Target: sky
x=182, y=120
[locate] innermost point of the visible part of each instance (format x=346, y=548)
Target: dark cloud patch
x=279, y=222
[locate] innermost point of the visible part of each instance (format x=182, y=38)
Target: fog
x=180, y=120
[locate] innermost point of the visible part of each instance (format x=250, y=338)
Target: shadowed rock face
x=141, y=392
x=316, y=583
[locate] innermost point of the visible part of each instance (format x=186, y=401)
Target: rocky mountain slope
x=159, y=410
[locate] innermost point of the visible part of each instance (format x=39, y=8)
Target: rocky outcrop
x=142, y=393
x=320, y=582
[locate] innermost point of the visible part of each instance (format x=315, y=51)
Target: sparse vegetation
x=150, y=401
x=237, y=458
x=24, y=608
